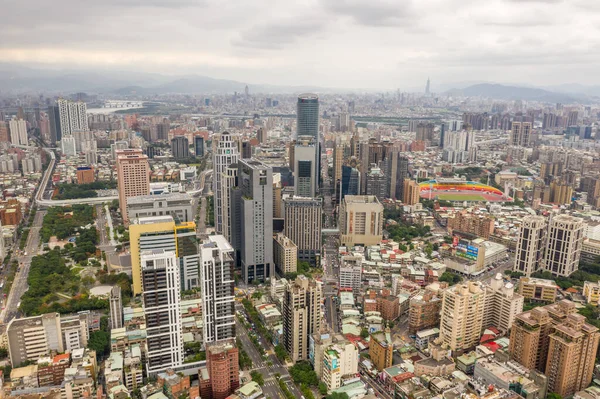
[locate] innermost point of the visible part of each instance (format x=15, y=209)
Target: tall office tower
x=229, y=180
x=161, y=292
x=503, y=304
x=463, y=307
x=72, y=116
x=372, y=153
x=427, y=86
x=549, y=121
x=4, y=133
x=246, y=150
x=306, y=167
x=54, y=121
x=222, y=362
x=133, y=176
x=572, y=118
x=377, y=183
x=285, y=254
x=225, y=153
x=350, y=183
x=116, y=308
x=563, y=246
x=411, y=192
x=301, y=316
x=252, y=231
x=360, y=220
x=355, y=145
x=442, y=135
x=425, y=132
x=530, y=247
x=342, y=122
x=199, y=146
x=161, y=232
x=338, y=160
x=217, y=282
x=520, y=134
x=162, y=130
x=180, y=147
x=307, y=116
x=18, y=131
x=397, y=171
x=557, y=341
x=302, y=224
x=262, y=135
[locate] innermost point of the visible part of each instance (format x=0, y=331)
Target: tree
x=3, y=353
x=450, y=278
x=303, y=373
x=364, y=333
x=322, y=388
x=257, y=377
x=336, y=395
x=553, y=395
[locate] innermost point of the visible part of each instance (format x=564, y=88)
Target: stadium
x=461, y=190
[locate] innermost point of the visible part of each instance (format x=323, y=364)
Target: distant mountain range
x=16, y=78
x=502, y=92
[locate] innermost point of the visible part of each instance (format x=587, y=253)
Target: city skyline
x=410, y=42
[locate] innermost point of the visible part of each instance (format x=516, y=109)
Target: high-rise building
x=301, y=316
x=161, y=232
x=33, y=337
x=252, y=232
x=381, y=350
x=339, y=360
x=503, y=304
x=302, y=224
x=285, y=254
x=180, y=147
x=361, y=220
x=557, y=341
x=338, y=160
x=530, y=247
x=18, y=131
x=262, y=136
x=462, y=314
x=307, y=116
x=424, y=311
x=397, y=171
x=563, y=245
x=520, y=134
x=161, y=292
x=72, y=116
x=222, y=362
x=116, y=308
x=425, y=132
x=54, y=122
x=132, y=176
x=199, y=146
x=4, y=133
x=217, y=286
x=561, y=193
x=411, y=192
x=572, y=118
x=225, y=154
x=306, y=166
x=377, y=183
x=229, y=180
x=350, y=183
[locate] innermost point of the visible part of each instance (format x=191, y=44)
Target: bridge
x=122, y=104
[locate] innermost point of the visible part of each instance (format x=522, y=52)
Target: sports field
x=461, y=197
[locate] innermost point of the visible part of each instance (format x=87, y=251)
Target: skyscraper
x=132, y=175
x=427, y=86
x=520, y=134
x=350, y=182
x=222, y=361
x=54, y=121
x=72, y=116
x=4, y=134
x=161, y=232
x=161, y=298
x=226, y=153
x=301, y=316
x=217, y=282
x=397, y=171
x=252, y=234
x=302, y=224
x=530, y=247
x=180, y=147
x=563, y=245
x=307, y=114
x=306, y=166
x=18, y=131
x=199, y=146
x=228, y=182
x=116, y=308
x=463, y=307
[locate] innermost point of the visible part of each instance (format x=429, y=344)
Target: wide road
x=20, y=283
x=268, y=371
x=380, y=391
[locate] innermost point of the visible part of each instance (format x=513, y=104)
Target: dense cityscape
x=340, y=245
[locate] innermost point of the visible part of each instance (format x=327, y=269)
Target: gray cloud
x=342, y=43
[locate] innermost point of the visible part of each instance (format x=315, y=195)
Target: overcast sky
x=333, y=43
